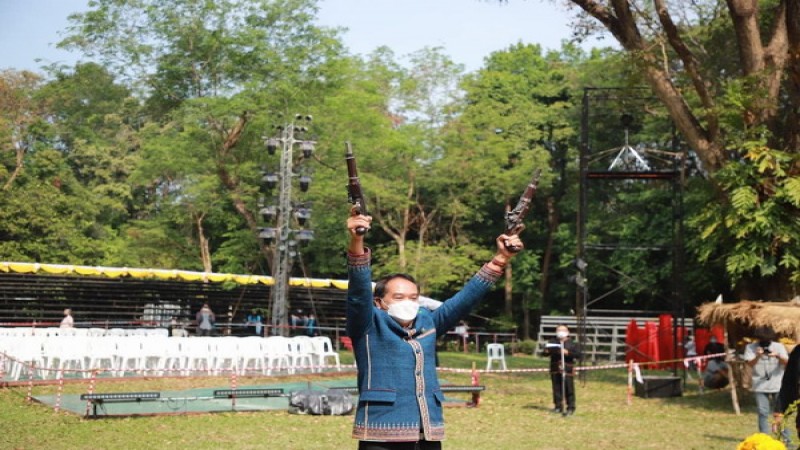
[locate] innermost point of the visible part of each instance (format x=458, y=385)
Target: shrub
x=528, y=346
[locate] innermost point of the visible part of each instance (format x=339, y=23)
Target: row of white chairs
x=57, y=331
x=50, y=357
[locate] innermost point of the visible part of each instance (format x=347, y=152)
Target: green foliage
x=759, y=226
x=440, y=270
x=46, y=217
x=526, y=347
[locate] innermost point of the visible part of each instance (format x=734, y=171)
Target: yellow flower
x=760, y=441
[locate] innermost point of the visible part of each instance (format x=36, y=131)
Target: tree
x=22, y=118
x=209, y=74
x=515, y=119
x=739, y=116
x=94, y=124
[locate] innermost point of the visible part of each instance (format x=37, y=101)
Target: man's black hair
x=765, y=333
x=380, y=285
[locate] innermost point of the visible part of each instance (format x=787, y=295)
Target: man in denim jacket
x=394, y=341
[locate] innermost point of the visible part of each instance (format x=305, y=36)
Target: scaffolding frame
x=629, y=163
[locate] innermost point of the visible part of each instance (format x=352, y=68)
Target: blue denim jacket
x=399, y=394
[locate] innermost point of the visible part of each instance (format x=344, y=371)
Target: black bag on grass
x=330, y=402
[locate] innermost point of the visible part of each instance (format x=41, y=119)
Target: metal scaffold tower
x=608, y=113
x=290, y=217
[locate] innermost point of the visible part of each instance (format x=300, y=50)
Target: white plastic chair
x=95, y=331
x=496, y=352
x=226, y=354
x=251, y=353
x=102, y=353
x=158, y=332
x=129, y=354
x=25, y=351
x=154, y=350
x=175, y=356
x=301, y=353
x=323, y=349
x=47, y=331
x=64, y=353
x=21, y=331
x=276, y=354
x=199, y=353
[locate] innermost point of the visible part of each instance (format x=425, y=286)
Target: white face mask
x=562, y=334
x=404, y=310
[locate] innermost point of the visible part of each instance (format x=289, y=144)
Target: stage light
x=308, y=148
x=269, y=213
x=305, y=181
x=242, y=393
x=267, y=234
x=304, y=235
x=272, y=145
x=121, y=396
x=302, y=215
x=270, y=180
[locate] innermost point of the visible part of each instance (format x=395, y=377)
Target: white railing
x=605, y=336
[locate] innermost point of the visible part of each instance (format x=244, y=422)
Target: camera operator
x=767, y=359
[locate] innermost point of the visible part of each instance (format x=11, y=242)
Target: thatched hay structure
x=741, y=318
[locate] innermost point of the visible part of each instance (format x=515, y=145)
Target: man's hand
x=504, y=241
x=355, y=221
x=358, y=221
x=776, y=423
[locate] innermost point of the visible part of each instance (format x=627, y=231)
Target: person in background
x=716, y=374
x=67, y=321
x=768, y=360
x=690, y=351
x=462, y=333
x=394, y=341
x=253, y=323
x=311, y=325
x=297, y=322
x=562, y=377
x=205, y=320
x=714, y=347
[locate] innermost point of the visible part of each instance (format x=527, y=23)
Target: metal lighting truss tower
x=641, y=164
x=283, y=236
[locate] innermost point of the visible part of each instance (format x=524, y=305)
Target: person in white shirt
x=67, y=321
x=767, y=359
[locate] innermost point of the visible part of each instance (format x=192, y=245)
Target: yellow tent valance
x=163, y=274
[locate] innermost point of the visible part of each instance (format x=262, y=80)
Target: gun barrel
x=356, y=197
x=515, y=217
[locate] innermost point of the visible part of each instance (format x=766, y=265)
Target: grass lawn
x=513, y=414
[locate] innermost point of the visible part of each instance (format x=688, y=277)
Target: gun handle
x=357, y=210
x=514, y=232
x=513, y=248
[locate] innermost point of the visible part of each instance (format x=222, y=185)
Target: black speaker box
x=654, y=387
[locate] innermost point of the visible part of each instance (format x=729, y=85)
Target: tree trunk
x=526, y=317
x=552, y=224
x=509, y=290
x=19, y=149
x=205, y=252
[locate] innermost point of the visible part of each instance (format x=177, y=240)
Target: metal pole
x=282, y=261
x=582, y=292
